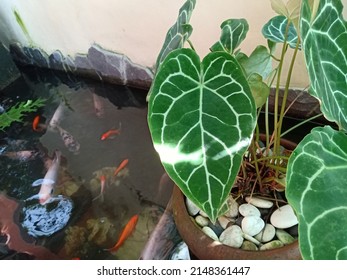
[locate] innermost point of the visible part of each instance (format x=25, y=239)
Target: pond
x=60, y=194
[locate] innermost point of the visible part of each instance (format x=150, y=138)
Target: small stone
x=233, y=211
x=284, y=217
x=201, y=221
x=259, y=202
x=217, y=228
x=209, y=232
x=248, y=210
x=267, y=234
x=249, y=246
x=271, y=245
x=252, y=225
x=284, y=236
x=224, y=221
x=202, y=213
x=191, y=207
x=232, y=236
x=251, y=239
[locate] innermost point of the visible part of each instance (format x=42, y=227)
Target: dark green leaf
x=324, y=41
x=275, y=30
x=201, y=118
x=233, y=33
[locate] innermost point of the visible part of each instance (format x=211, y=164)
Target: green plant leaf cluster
x=17, y=112
x=316, y=177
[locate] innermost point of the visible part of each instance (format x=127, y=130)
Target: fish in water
x=21, y=155
x=69, y=141
x=98, y=106
x=111, y=133
x=128, y=229
x=102, y=188
x=50, y=179
x=121, y=166
x=37, y=126
x=41, y=181
x=57, y=117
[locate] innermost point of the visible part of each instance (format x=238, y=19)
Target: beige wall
x=135, y=28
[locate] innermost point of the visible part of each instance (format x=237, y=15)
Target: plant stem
x=279, y=73
x=301, y=123
x=285, y=94
x=190, y=44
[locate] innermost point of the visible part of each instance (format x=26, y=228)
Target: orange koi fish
x=111, y=133
x=128, y=229
x=36, y=122
x=102, y=188
x=121, y=166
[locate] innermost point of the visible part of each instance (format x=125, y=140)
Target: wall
x=135, y=28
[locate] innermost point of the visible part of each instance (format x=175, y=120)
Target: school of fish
x=50, y=180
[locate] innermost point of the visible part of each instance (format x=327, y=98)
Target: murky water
x=84, y=215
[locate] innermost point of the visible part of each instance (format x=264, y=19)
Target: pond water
x=89, y=204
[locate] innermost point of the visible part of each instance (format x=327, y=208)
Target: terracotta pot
x=205, y=248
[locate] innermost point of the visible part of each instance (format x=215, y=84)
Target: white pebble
x=232, y=236
x=252, y=225
x=251, y=239
x=249, y=246
x=259, y=202
x=284, y=236
x=201, y=221
x=209, y=232
x=233, y=206
x=224, y=221
x=191, y=207
x=249, y=210
x=267, y=234
x=271, y=245
x=284, y=217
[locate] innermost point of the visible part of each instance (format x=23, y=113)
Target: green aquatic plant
x=22, y=26
x=17, y=112
x=203, y=116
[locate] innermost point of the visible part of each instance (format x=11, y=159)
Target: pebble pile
x=251, y=225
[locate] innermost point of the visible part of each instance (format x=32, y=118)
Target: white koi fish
x=70, y=142
x=57, y=117
x=50, y=179
x=98, y=106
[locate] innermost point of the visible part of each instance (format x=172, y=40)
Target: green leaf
x=324, y=41
x=259, y=62
x=316, y=188
x=260, y=90
x=275, y=30
x=233, y=33
x=179, y=33
x=201, y=117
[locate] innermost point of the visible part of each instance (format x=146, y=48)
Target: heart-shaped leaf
x=233, y=33
x=201, y=117
x=179, y=33
x=259, y=62
x=324, y=41
x=316, y=188
x=260, y=90
x=275, y=30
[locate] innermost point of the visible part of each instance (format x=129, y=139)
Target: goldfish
x=36, y=123
x=102, y=188
x=128, y=229
x=111, y=133
x=98, y=106
x=70, y=142
x=51, y=177
x=121, y=166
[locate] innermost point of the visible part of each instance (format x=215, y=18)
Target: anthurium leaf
x=201, y=116
x=233, y=33
x=260, y=62
x=324, y=42
x=260, y=90
x=178, y=33
x=275, y=30
x=316, y=188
